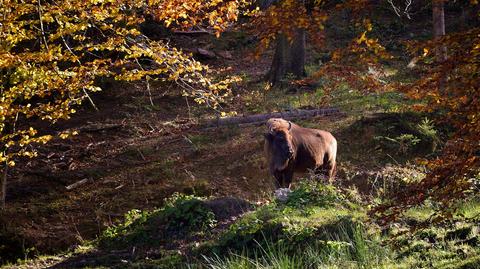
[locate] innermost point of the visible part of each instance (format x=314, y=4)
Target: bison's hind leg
x=332, y=171
x=327, y=169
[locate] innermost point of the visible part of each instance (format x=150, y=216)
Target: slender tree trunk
x=4, y=186
x=297, y=53
x=438, y=19
x=463, y=19
x=439, y=28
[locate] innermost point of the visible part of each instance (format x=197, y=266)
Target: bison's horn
x=289, y=125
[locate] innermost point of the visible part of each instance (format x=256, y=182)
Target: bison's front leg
x=278, y=179
x=283, y=179
x=287, y=178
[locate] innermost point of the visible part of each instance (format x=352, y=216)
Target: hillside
x=134, y=160
x=145, y=184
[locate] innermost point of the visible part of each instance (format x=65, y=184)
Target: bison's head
x=280, y=139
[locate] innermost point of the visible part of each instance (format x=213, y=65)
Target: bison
x=289, y=148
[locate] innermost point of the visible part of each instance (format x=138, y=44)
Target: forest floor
x=133, y=155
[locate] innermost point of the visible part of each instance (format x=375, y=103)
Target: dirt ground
x=129, y=155
x=132, y=155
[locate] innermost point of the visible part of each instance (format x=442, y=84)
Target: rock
x=413, y=63
x=225, y=54
x=206, y=54
x=282, y=194
x=228, y=207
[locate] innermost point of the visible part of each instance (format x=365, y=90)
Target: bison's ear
x=268, y=136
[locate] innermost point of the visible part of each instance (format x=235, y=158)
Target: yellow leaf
x=425, y=52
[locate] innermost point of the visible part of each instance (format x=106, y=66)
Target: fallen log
x=193, y=32
x=260, y=118
x=97, y=127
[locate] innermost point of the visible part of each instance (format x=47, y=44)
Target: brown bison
x=289, y=148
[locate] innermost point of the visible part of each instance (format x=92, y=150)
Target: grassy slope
x=157, y=151
x=318, y=227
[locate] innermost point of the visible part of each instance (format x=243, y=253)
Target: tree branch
x=41, y=24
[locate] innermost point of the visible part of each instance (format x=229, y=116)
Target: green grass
x=316, y=226
x=264, y=99
x=351, y=100
x=181, y=215
x=348, y=247
x=470, y=208
x=319, y=226
x=355, y=252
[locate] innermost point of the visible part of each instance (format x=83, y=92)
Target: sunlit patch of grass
x=351, y=100
x=443, y=245
x=343, y=97
x=346, y=247
x=419, y=214
x=470, y=208
x=300, y=219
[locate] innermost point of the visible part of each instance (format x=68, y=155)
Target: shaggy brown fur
x=290, y=148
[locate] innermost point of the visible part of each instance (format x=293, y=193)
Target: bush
x=313, y=193
x=187, y=212
x=181, y=214
x=131, y=230
x=312, y=208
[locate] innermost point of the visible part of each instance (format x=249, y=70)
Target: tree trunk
x=289, y=57
x=4, y=186
x=438, y=20
x=439, y=28
x=297, y=54
x=280, y=62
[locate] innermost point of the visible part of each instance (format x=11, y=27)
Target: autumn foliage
x=447, y=88
x=451, y=89
x=285, y=17
x=184, y=14
x=51, y=52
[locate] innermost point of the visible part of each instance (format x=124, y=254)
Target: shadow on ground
x=157, y=234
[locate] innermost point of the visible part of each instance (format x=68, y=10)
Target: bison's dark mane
x=280, y=145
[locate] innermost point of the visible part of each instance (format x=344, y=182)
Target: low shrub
x=181, y=214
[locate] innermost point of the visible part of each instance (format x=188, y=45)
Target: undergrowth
x=318, y=226
x=181, y=214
